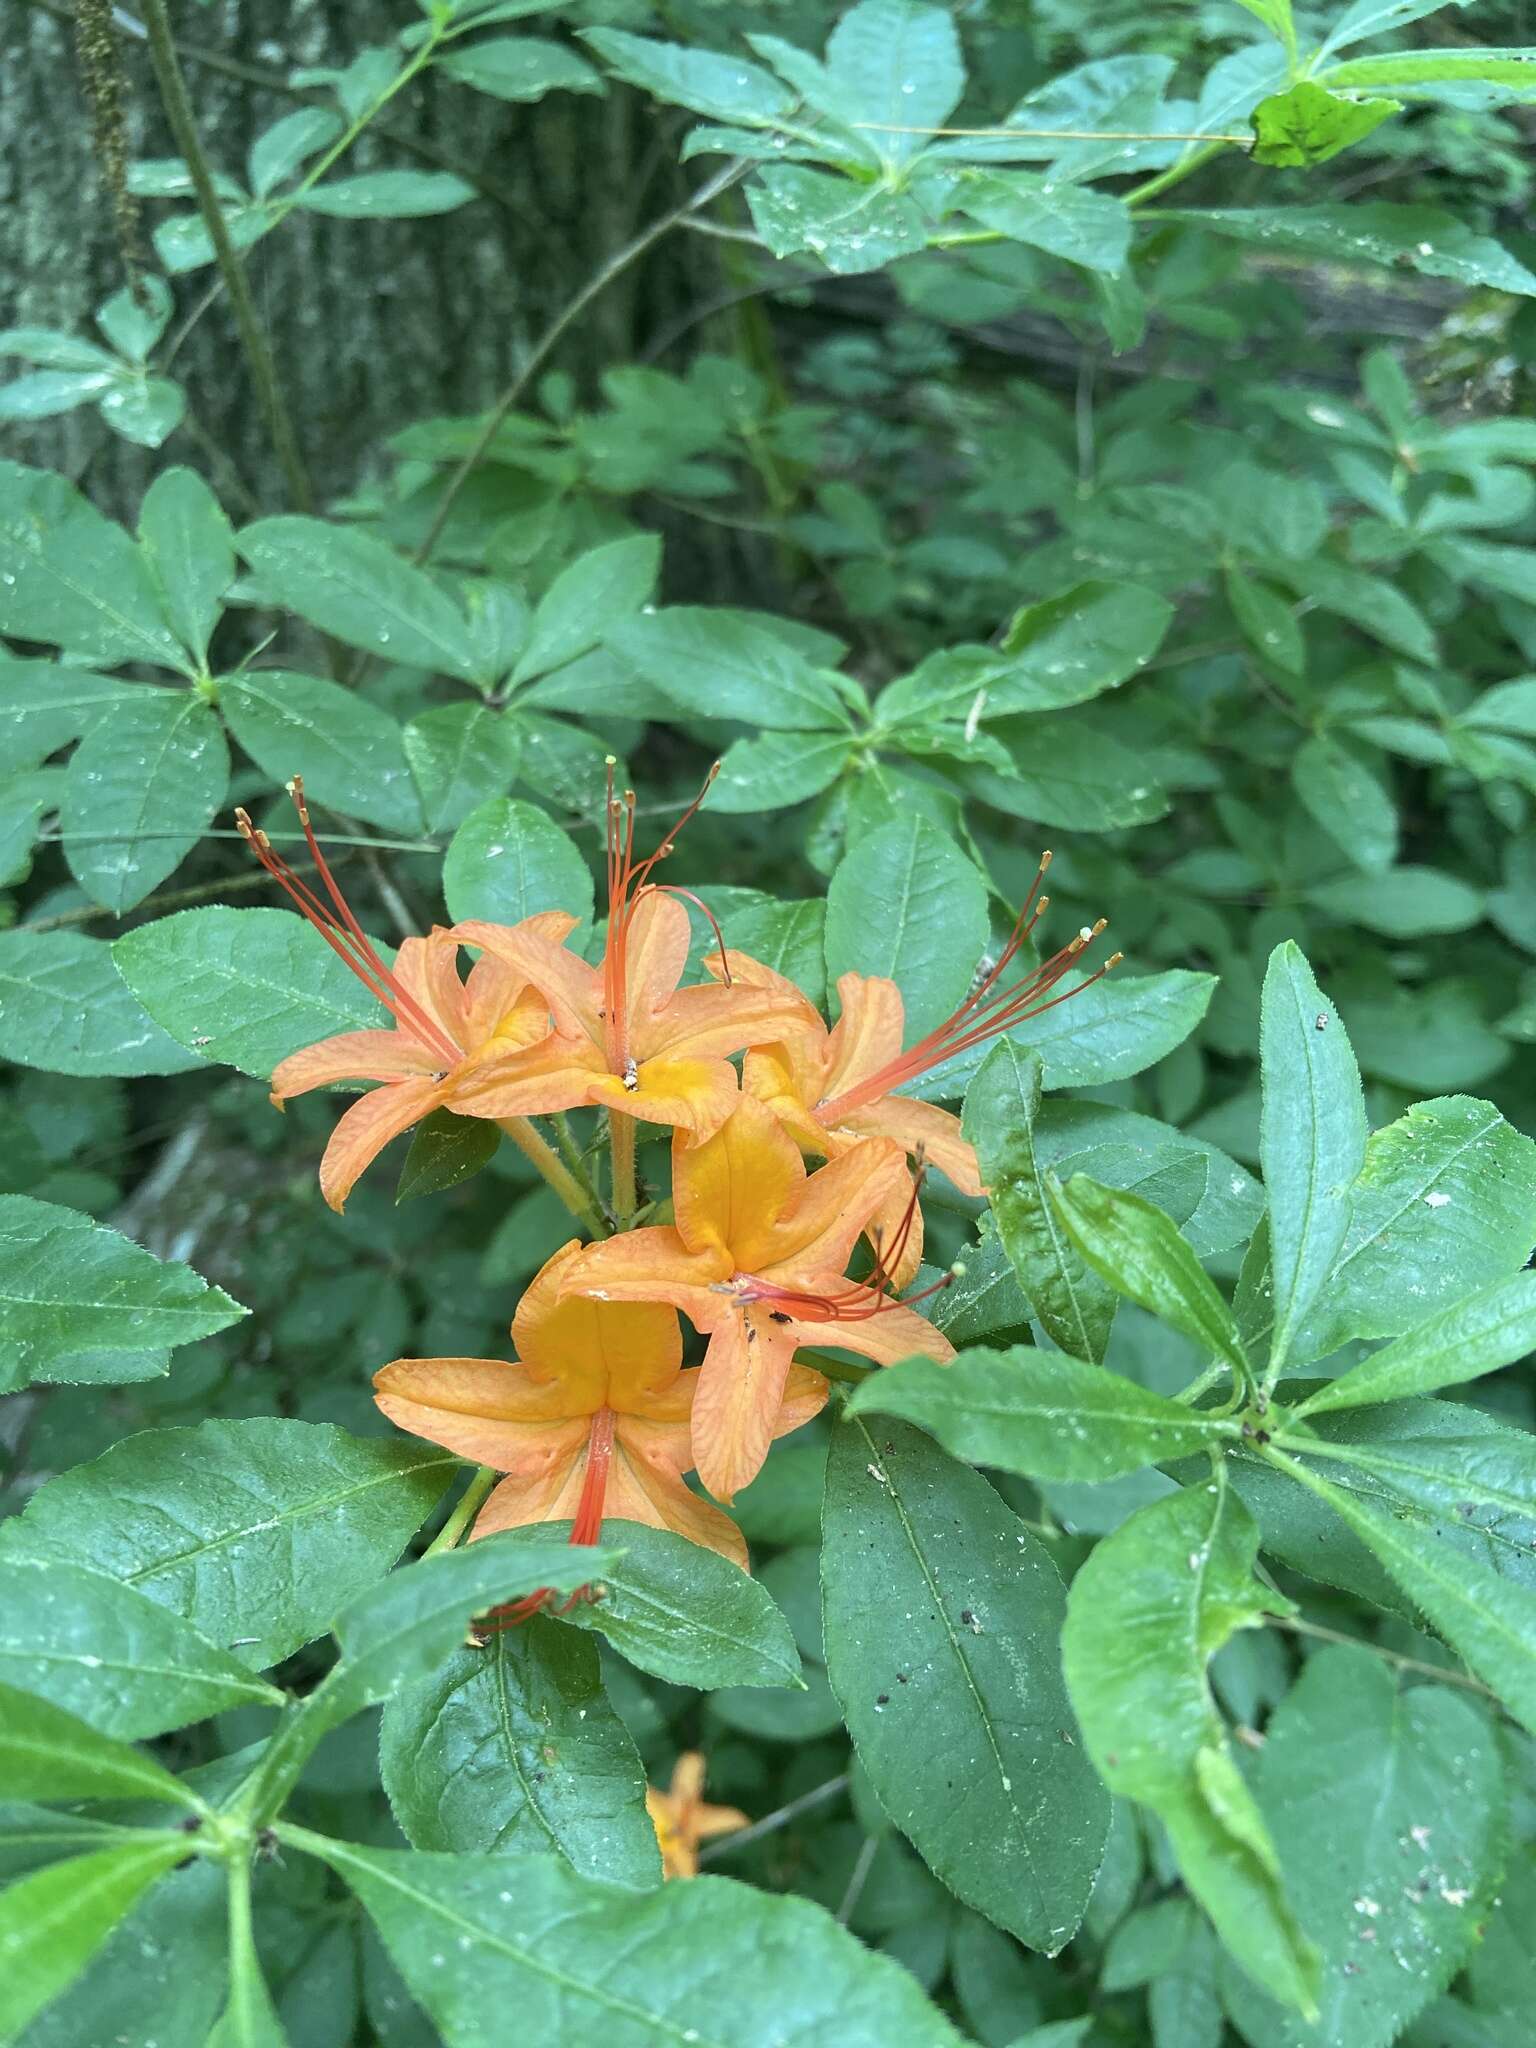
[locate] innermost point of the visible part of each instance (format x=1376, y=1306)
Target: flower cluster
x=597, y=1417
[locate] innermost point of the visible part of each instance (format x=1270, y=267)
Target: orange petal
x=693, y=1095
x=652, y=1265
x=740, y=1394
x=829, y=1214
x=730, y=1191
x=547, y=1487
x=353, y=1056
x=701, y=1021
x=486, y=1409
x=428, y=970
x=805, y=1395
x=620, y=1353
x=557, y=1073
x=923, y=1125
x=367, y=1127
x=868, y=1034
x=655, y=954
x=645, y=1485
x=574, y=990
x=895, y=1333
x=789, y=1085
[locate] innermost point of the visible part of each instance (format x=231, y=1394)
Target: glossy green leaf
x=1149, y=1609
x=1348, y=799
x=353, y=586
x=723, y=87
x=351, y=754
x=906, y=903
x=1072, y=1303
x=1269, y=622
x=720, y=664
x=530, y=1937
x=388, y=195
x=1139, y=1251
x=508, y=861
x=49, y=1753
x=1387, y=1809
x=779, y=769
x=191, y=554
x=942, y=1619
x=64, y=1007
x=894, y=64
x=68, y=1284
x=243, y=987
x=103, y=1651
x=1074, y=221
x=1488, y=1330
x=1373, y=231
x=446, y=1149
x=519, y=68
x=586, y=600
x=1307, y=124
x=461, y=755
x=72, y=579
x=44, y=704
x=255, y=1531
x=1069, y=771
x=1124, y=1150
x=849, y=226
x=1312, y=1137
x=1041, y=1414
x=142, y=787
x=1402, y=903
x=53, y=1922
x=514, y=1749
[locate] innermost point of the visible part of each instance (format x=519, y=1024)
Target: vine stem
x=253, y=339
x=468, y=1507
x=566, y=318
x=540, y=1153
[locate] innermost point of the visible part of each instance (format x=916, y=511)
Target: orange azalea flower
x=833, y=1090
x=756, y=1262
x=682, y=1819
x=590, y=1422
x=628, y=1039
x=444, y=1029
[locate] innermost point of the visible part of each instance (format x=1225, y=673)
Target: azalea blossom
x=590, y=1422
x=832, y=1089
x=756, y=1261
x=444, y=1029
x=627, y=1038
x=682, y=1818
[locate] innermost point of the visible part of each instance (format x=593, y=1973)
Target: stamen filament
x=629, y=882
x=860, y=1299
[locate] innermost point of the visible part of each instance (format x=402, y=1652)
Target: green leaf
x=1349, y=799
x=1125, y=1150
x=1445, y=1204
x=445, y=1150
x=1072, y=1304
x=1311, y=1139
x=49, y=1753
x=1147, y=1612
x=894, y=64
x=190, y=549
x=257, y=1529
x=72, y=579
x=851, y=227
x=1460, y=78
x=526, y=1933
x=1276, y=17
x=103, y=1651
x=53, y=1922
x=1372, y=231
x=906, y=903
x=1072, y=221
x=353, y=586
x=42, y=394
x=1365, y=18
x=388, y=195
x=1392, y=1859
x=144, y=410
x=133, y=323
x=349, y=752
x=1138, y=1249
x=1069, y=771
x=64, y=1007
x=719, y=664
x=515, y=1749
x=1307, y=124
x=942, y=1619
x=508, y=861
x=585, y=600
x=779, y=769
x=1489, y=1621
x=404, y=1628
x=1040, y=1414
x=243, y=987
x=279, y=150
x=1507, y=707
x=788, y=937
x=461, y=755
x=141, y=789
x=68, y=1284
x=45, y=704
x=519, y=68
x=724, y=88
x=1269, y=622
x=249, y=2019
x=1402, y=903
x=1494, y=1328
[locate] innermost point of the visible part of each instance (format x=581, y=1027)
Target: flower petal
x=700, y=1021
x=655, y=954
x=353, y=1056
x=895, y=1333
x=730, y=1191
x=868, y=1034
x=652, y=1265
x=922, y=1125
x=482, y=1408
x=545, y=1488
x=367, y=1127
x=789, y=1085
x=557, y=1073
x=645, y=1485
x=573, y=989
x=693, y=1095
x=829, y=1214
x=741, y=1390
x=428, y=970
x=622, y=1354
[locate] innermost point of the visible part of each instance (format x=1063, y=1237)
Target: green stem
x=468, y=1507
x=1202, y=1382
x=544, y=1156
x=621, y=1146
x=258, y=353
x=1175, y=174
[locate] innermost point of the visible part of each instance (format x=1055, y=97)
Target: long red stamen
x=342, y=932
x=987, y=1011
x=629, y=881
x=587, y=1528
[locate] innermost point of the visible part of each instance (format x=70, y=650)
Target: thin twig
x=857, y=1879
x=616, y=265
x=253, y=339
x=1415, y=1664
x=771, y=1822
x=1059, y=134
